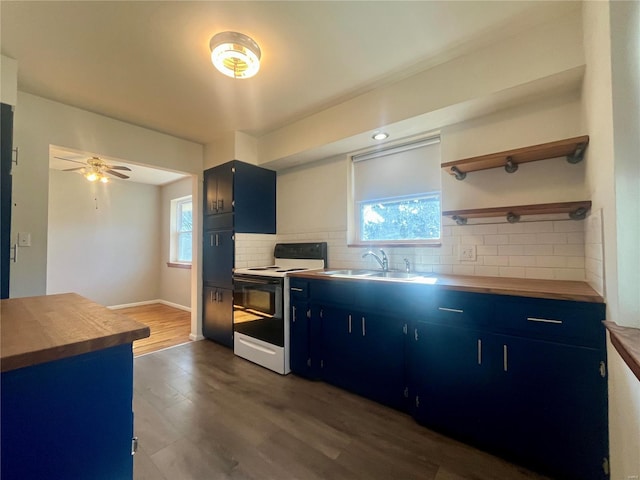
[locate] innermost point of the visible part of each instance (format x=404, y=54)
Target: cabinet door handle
x=364, y=332
x=296, y=289
x=479, y=352
x=14, y=259
x=293, y=315
x=309, y=313
x=217, y=240
x=415, y=334
x=210, y=296
x=454, y=310
x=349, y=323
x=221, y=204
x=543, y=320
x=505, y=357
x=211, y=240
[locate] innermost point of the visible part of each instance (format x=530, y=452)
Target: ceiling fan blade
x=72, y=169
x=69, y=160
x=116, y=174
x=119, y=167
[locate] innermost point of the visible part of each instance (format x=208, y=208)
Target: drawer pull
x=454, y=310
x=296, y=289
x=543, y=320
x=479, y=351
x=505, y=358
x=349, y=323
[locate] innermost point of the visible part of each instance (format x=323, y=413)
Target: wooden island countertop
x=41, y=329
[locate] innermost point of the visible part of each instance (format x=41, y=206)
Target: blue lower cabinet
x=364, y=353
x=299, y=351
x=449, y=379
x=70, y=418
x=551, y=407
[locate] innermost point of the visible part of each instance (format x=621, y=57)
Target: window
x=181, y=229
x=396, y=194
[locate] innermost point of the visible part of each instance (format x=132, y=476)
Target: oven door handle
x=256, y=281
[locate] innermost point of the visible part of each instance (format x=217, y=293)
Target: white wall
x=175, y=283
x=312, y=201
x=103, y=240
x=40, y=123
x=8, y=80
x=610, y=105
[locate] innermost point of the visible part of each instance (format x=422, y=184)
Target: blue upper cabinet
x=245, y=190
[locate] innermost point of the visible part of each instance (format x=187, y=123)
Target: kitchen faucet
x=383, y=262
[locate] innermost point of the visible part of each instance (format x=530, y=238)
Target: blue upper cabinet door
x=210, y=192
x=224, y=197
x=254, y=198
x=551, y=406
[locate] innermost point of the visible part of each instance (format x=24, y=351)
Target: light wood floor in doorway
x=203, y=413
x=169, y=326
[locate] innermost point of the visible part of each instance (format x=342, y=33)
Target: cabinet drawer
x=223, y=221
x=554, y=320
x=459, y=308
x=332, y=292
x=298, y=288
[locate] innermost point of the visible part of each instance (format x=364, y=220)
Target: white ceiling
x=147, y=63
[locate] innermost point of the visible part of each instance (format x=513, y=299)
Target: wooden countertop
x=523, y=287
x=35, y=330
x=626, y=340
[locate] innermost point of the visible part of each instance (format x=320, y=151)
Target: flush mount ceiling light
x=235, y=54
x=380, y=136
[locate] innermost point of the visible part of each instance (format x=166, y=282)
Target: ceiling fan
x=96, y=169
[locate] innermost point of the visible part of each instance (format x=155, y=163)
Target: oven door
x=257, y=308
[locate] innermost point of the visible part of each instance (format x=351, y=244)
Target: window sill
x=392, y=244
x=626, y=340
x=179, y=265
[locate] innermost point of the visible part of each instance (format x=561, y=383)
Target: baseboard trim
x=195, y=338
x=150, y=302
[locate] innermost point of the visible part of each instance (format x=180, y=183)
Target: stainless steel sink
x=350, y=273
x=361, y=273
x=392, y=274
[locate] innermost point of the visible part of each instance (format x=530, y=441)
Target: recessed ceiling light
x=380, y=136
x=235, y=54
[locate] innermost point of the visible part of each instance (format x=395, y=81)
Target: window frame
x=175, y=234
x=392, y=242
x=354, y=233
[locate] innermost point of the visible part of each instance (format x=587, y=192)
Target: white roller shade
x=399, y=171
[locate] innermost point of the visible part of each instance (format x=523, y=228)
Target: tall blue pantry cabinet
x=238, y=198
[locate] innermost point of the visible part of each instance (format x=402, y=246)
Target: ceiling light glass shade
x=235, y=54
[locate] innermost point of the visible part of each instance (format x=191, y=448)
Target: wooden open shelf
x=571, y=148
x=576, y=211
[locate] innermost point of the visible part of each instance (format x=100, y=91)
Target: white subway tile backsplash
x=550, y=238
x=496, y=239
x=568, y=226
x=524, y=238
x=522, y=261
x=540, y=249
x=539, y=273
x=487, y=250
x=551, y=261
x=570, y=250
x=510, y=249
x=538, y=227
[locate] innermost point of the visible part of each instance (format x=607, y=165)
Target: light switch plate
x=24, y=239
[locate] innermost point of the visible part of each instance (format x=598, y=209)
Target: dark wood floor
x=203, y=413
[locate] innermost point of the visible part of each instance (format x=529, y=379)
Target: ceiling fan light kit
x=97, y=170
x=235, y=55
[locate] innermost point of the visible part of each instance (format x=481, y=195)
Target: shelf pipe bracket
x=578, y=214
x=510, y=167
x=513, y=217
x=458, y=219
x=578, y=155
x=459, y=175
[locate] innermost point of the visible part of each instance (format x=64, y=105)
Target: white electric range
x=261, y=304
